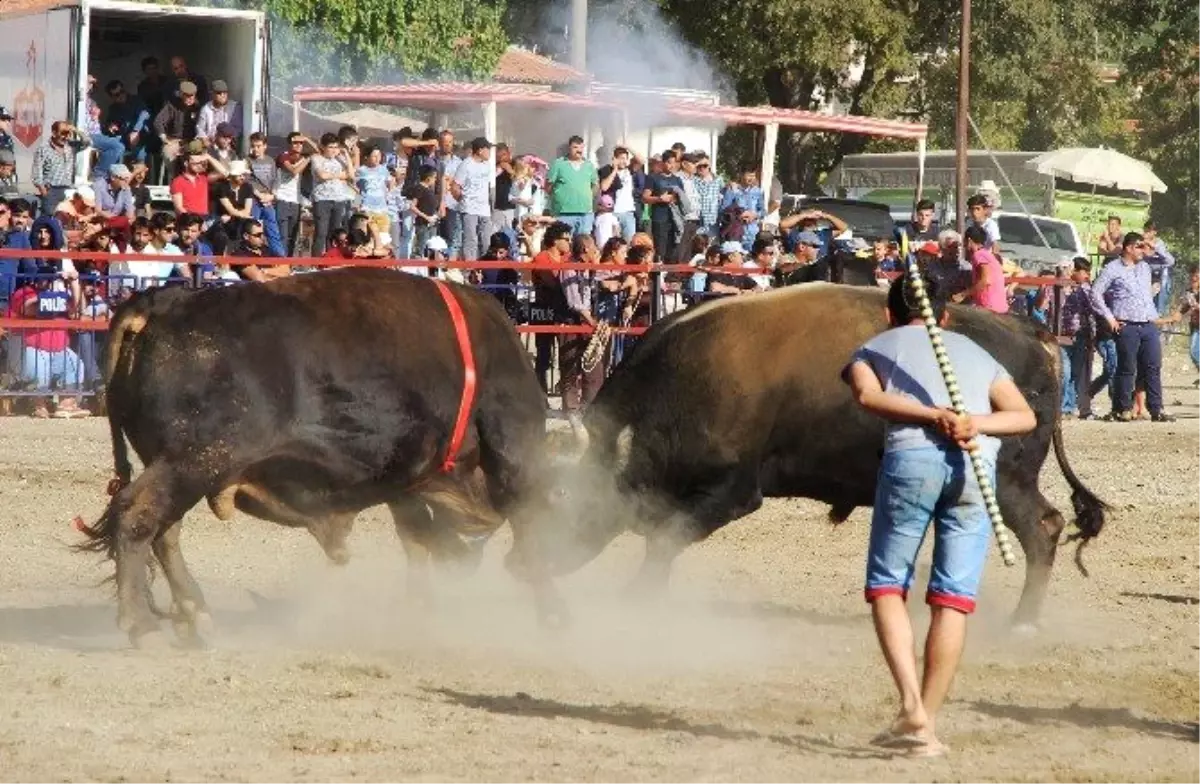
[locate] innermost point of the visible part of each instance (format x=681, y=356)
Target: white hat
x=237, y=168
x=85, y=194
x=731, y=246
x=436, y=243
x=119, y=170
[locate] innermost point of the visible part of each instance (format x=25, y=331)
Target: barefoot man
x=926, y=476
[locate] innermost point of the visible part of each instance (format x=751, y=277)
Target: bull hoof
x=149, y=640
x=553, y=614
x=338, y=556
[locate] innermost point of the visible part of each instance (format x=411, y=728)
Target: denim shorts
x=916, y=487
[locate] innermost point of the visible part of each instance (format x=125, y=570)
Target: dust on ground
x=760, y=664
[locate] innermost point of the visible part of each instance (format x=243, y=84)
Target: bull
x=304, y=401
x=741, y=399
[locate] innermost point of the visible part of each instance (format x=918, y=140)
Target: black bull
x=737, y=400
x=302, y=402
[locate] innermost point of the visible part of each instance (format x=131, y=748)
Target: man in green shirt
x=572, y=184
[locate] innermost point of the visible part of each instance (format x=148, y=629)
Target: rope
x=956, y=401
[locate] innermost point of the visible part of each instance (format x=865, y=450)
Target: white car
x=1019, y=240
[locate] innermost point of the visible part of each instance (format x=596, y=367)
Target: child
x=606, y=225
x=926, y=475
x=1079, y=326
x=424, y=203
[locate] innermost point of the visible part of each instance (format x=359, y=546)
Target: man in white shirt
x=471, y=186
x=217, y=111
x=616, y=181
x=150, y=238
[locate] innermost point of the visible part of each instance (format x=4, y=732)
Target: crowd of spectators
x=425, y=199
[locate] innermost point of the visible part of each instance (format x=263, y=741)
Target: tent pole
x=770, y=138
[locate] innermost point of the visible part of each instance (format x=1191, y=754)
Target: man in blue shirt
x=926, y=476
x=1122, y=296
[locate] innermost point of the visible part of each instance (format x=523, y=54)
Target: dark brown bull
x=304, y=401
x=742, y=399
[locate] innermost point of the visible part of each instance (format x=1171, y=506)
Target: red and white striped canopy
x=449, y=95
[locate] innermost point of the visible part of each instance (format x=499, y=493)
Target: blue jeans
x=1107, y=349
x=1139, y=356
x=1163, y=300
x=628, y=223
x=43, y=366
x=451, y=229
x=914, y=487
x=111, y=150
x=1195, y=348
x=1069, y=401
x=265, y=213
x=402, y=236
x=580, y=223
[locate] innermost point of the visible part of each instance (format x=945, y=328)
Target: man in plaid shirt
x=1079, y=326
x=708, y=193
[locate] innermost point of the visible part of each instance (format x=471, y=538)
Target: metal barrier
x=53, y=349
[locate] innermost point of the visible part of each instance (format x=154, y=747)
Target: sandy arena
x=760, y=665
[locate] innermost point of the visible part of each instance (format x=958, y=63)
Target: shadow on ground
x=1088, y=718
x=641, y=717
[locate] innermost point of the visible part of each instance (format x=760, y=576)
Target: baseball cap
x=219, y=86
x=729, y=247
x=226, y=129
x=119, y=170
x=479, y=143
x=85, y=194
x=5, y=114
x=809, y=238
x=187, y=88
x=436, y=243
x=930, y=247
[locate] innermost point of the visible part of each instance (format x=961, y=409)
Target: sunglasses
x=255, y=234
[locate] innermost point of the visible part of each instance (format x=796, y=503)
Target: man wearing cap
x=721, y=284
x=9, y=181
x=54, y=163
x=176, y=123
x=223, y=148
x=218, y=111
x=6, y=140
x=805, y=251
x=181, y=73
x=471, y=187
x=114, y=199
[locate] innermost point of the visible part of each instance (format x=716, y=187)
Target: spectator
x=92, y=308
x=424, y=204
x=504, y=212
x=548, y=295
x=580, y=381
x=1109, y=245
x=810, y=221
x=127, y=119
x=940, y=262
x=6, y=139
x=351, y=155
x=183, y=75
x=981, y=216
x=175, y=123
x=742, y=209
x=109, y=149
x=663, y=192
x=331, y=194
x=689, y=206
x=253, y=246
x=150, y=88
x=223, y=150
x=1079, y=329
x=501, y=283
x=218, y=111
x=922, y=228
x=617, y=182
x=190, y=189
x=114, y=199
x=191, y=243
x=806, y=252
x=1161, y=263
x=154, y=237
x=987, y=289
x=54, y=163
x=470, y=186
x=139, y=189
x=292, y=164
x=1122, y=295
x=762, y=256
x=708, y=193
x=234, y=199
x=606, y=224
x=886, y=255
x=421, y=153
x=46, y=354
x=10, y=183
x=374, y=246
x=262, y=174
x=449, y=219
x=722, y=284
x=372, y=178
x=525, y=194
x=572, y=183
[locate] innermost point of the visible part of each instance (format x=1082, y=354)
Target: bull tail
x=1089, y=509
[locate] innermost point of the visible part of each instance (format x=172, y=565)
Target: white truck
x=49, y=47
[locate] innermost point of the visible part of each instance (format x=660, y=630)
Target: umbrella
x=1098, y=166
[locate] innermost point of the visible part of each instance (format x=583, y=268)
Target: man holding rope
x=926, y=475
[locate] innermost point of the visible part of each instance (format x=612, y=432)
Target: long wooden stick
x=956, y=401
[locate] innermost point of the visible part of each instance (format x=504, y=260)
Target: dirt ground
x=760, y=665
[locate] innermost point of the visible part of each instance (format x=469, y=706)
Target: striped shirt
x=1122, y=292
x=53, y=166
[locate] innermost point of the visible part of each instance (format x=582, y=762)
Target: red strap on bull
x=459, y=433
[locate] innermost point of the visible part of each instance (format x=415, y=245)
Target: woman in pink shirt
x=988, y=289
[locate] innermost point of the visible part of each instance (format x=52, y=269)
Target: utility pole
x=961, y=138
x=578, y=35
